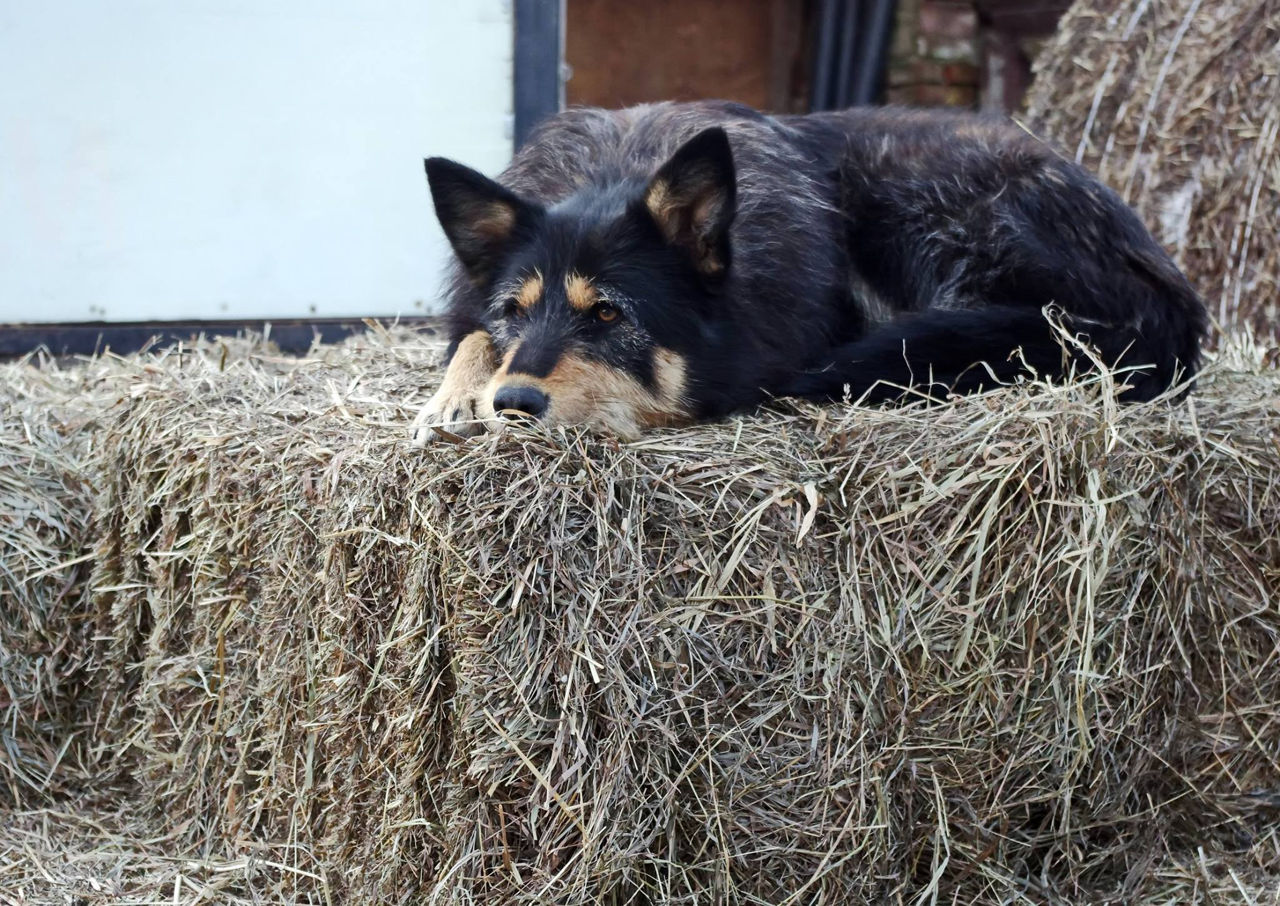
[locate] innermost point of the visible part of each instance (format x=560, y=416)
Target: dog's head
x=597, y=302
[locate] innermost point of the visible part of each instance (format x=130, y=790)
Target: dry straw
x=102, y=852
x=1176, y=104
x=47, y=418
x=1018, y=648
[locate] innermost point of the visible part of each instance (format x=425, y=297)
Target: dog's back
x=948, y=212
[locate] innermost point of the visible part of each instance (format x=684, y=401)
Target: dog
x=679, y=261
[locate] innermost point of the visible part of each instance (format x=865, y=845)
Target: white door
x=211, y=159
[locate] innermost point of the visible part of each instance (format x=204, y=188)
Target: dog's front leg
x=461, y=405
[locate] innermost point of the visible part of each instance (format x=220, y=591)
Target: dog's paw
x=463, y=404
x=460, y=413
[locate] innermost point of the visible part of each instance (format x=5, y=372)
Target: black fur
x=855, y=252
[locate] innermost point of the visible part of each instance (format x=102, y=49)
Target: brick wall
x=935, y=54
x=966, y=53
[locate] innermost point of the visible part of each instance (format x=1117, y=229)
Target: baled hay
x=103, y=854
x=46, y=497
x=1016, y=648
x=1176, y=104
x=98, y=854
x=50, y=416
x=1200, y=875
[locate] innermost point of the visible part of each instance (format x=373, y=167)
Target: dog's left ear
x=692, y=198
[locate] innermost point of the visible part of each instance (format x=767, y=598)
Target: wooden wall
x=753, y=51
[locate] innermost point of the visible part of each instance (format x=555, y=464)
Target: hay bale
x=1021, y=642
x=1176, y=105
x=53, y=684
x=104, y=854
x=233, y=621
x=47, y=416
x=1201, y=876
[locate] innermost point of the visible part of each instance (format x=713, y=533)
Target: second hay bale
x=48, y=418
x=1176, y=105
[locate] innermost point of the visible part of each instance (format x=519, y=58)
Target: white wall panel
x=166, y=159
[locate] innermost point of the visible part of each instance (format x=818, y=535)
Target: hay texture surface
x=48, y=416
x=1176, y=105
x=102, y=853
x=1018, y=648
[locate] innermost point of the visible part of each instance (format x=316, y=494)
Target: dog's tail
x=936, y=352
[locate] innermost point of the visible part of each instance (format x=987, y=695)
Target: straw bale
x=51, y=415
x=1176, y=104
x=1202, y=875
x=100, y=853
x=95, y=854
x=47, y=416
x=1021, y=647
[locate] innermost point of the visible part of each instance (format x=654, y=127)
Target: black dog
x=647, y=266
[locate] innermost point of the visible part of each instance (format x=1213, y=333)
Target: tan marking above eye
x=530, y=292
x=581, y=294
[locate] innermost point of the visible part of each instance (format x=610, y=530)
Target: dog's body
x=673, y=261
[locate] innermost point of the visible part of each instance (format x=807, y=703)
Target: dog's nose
x=519, y=400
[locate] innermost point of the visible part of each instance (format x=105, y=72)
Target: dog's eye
x=511, y=309
x=606, y=313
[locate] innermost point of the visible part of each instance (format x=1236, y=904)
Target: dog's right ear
x=692, y=199
x=479, y=217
